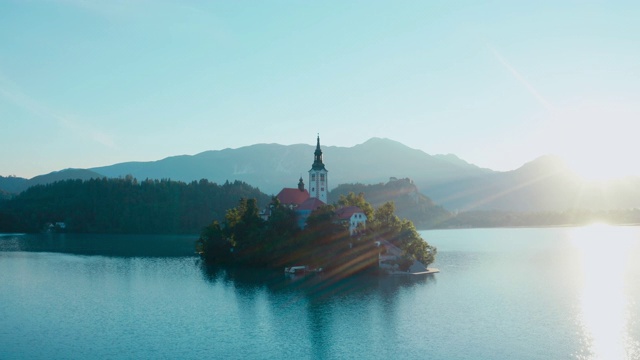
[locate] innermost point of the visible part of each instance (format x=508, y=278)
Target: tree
x=281, y=234
x=413, y=244
x=385, y=223
x=321, y=237
x=388, y=226
x=324, y=242
x=356, y=200
x=124, y=205
x=244, y=227
x=213, y=244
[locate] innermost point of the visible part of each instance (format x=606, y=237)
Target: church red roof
x=311, y=204
x=292, y=196
x=346, y=212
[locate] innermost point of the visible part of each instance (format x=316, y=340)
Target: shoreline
x=530, y=226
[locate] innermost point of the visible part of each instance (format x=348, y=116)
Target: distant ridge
x=65, y=174
x=15, y=185
x=271, y=166
x=544, y=184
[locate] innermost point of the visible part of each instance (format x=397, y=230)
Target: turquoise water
x=559, y=293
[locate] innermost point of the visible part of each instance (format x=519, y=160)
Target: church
x=304, y=201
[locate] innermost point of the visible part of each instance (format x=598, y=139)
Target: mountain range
x=544, y=184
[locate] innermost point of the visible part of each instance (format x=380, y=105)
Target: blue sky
x=499, y=83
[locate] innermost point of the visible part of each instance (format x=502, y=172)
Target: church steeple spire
x=317, y=159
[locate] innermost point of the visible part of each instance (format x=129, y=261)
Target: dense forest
x=245, y=238
x=4, y=195
x=124, y=205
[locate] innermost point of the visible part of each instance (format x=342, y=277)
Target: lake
x=548, y=293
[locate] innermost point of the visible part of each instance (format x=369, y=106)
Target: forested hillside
x=409, y=202
x=124, y=205
x=4, y=195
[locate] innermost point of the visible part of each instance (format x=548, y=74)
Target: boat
x=300, y=270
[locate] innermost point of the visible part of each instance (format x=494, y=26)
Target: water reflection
x=605, y=253
x=319, y=311
x=316, y=289
x=548, y=300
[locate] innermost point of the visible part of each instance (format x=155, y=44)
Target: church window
x=321, y=177
x=321, y=189
x=313, y=189
x=313, y=177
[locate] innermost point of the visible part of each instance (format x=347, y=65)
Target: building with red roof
x=311, y=204
x=293, y=197
x=301, y=200
x=305, y=202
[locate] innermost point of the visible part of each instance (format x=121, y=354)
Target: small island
x=299, y=229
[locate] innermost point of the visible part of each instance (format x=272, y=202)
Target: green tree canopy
x=214, y=244
x=124, y=205
x=386, y=225
x=324, y=242
x=351, y=199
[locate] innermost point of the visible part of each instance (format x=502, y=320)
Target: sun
x=597, y=139
x=607, y=161
x=595, y=169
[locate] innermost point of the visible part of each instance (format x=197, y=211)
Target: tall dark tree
x=281, y=235
x=324, y=238
x=245, y=228
x=214, y=245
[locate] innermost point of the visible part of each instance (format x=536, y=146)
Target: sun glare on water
x=605, y=309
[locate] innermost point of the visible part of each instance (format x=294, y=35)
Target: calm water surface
x=560, y=293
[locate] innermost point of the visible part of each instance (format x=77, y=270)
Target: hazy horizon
x=324, y=146
x=87, y=83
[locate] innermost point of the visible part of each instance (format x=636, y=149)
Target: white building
x=354, y=216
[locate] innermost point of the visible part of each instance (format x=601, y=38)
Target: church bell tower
x=318, y=180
